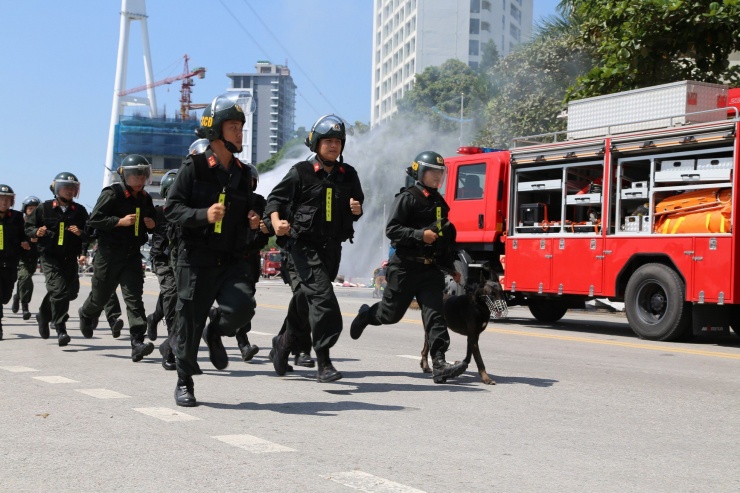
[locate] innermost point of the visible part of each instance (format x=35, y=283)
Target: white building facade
x=411, y=35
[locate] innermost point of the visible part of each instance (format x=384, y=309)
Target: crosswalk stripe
x=253, y=444
x=56, y=379
x=409, y=356
x=260, y=333
x=17, y=369
x=102, y=393
x=166, y=414
x=363, y=481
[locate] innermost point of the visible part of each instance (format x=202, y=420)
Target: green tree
x=438, y=93
x=649, y=42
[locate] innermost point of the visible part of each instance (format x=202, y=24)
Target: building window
x=514, y=31
x=475, y=6
x=473, y=47
x=474, y=26
x=486, y=5
x=473, y=65
x=485, y=26
x=516, y=13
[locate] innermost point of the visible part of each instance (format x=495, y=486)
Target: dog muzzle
x=498, y=307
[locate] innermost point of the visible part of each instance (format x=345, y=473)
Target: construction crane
x=187, y=83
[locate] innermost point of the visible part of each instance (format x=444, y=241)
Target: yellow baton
x=60, y=242
x=439, y=222
x=221, y=200
x=136, y=224
x=2, y=238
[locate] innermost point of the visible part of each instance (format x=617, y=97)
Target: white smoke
x=380, y=157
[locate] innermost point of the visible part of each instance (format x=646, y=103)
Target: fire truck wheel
x=655, y=304
x=547, y=311
x=735, y=319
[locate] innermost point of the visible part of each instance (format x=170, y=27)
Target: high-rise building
x=273, y=121
x=411, y=35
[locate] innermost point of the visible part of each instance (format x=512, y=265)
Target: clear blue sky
x=59, y=62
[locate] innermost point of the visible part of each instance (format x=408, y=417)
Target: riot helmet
x=228, y=106
x=428, y=161
x=65, y=179
x=255, y=176
x=30, y=201
x=167, y=180
x=198, y=147
x=6, y=191
x=135, y=165
x=328, y=126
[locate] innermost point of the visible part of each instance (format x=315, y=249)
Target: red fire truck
x=640, y=212
x=271, y=262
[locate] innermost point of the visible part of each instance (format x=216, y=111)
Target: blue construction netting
x=167, y=137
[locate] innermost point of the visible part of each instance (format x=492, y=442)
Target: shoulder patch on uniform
x=212, y=161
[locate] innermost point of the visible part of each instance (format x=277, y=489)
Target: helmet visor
x=432, y=175
x=241, y=99
x=139, y=170
x=328, y=122
x=72, y=184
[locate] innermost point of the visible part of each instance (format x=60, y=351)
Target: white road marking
x=253, y=444
x=166, y=414
x=102, y=393
x=367, y=482
x=56, y=379
x=409, y=356
x=17, y=369
x=260, y=333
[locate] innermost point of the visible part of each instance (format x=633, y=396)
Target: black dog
x=468, y=315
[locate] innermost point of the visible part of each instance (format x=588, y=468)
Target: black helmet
x=427, y=161
x=30, y=201
x=328, y=126
x=229, y=106
x=135, y=165
x=198, y=147
x=65, y=179
x=6, y=191
x=255, y=176
x=167, y=180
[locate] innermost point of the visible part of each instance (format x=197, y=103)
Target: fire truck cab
x=641, y=214
x=270, y=261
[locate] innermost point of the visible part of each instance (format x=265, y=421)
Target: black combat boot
x=139, y=348
x=304, y=359
x=43, y=325
x=212, y=337
x=86, y=325
x=280, y=355
x=151, y=327
x=185, y=392
x=16, y=304
x=288, y=368
x=326, y=372
x=116, y=324
x=26, y=313
x=168, y=357
x=442, y=370
x=248, y=350
x=62, y=336
x=1, y=329
x=359, y=323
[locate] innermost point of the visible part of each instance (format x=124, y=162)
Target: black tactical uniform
x=256, y=241
x=163, y=244
x=416, y=268
x=26, y=267
x=118, y=261
x=59, y=249
x=316, y=203
x=210, y=263
x=11, y=238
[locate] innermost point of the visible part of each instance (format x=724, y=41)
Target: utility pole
x=462, y=101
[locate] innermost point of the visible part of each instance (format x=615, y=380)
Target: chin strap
x=231, y=147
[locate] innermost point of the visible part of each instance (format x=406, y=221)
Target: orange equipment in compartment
x=700, y=211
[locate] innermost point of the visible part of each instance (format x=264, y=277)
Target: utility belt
x=419, y=260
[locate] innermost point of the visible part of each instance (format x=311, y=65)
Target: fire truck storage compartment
x=539, y=199
x=672, y=177
x=660, y=106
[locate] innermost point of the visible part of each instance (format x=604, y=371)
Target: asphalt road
x=581, y=406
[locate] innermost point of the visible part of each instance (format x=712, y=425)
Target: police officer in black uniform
x=316, y=205
x=123, y=216
x=210, y=202
x=161, y=254
x=423, y=237
x=60, y=226
x=27, y=266
x=256, y=241
x=12, y=241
